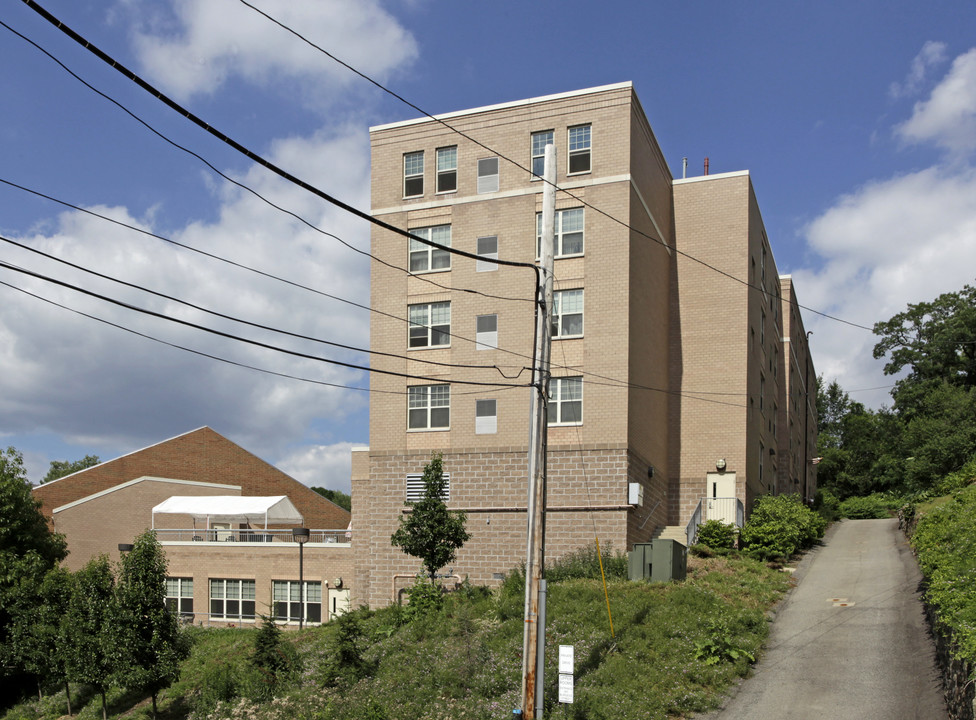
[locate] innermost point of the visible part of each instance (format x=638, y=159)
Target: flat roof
x=504, y=106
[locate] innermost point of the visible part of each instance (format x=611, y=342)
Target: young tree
x=28, y=549
x=60, y=468
x=92, y=624
x=42, y=629
x=431, y=532
x=150, y=641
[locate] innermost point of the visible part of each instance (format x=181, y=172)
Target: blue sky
x=857, y=122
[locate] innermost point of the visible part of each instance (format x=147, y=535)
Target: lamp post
x=300, y=535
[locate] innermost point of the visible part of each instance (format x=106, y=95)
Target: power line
x=246, y=187
x=246, y=322
x=231, y=336
x=254, y=157
x=517, y=164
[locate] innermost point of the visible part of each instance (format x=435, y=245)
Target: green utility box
x=658, y=560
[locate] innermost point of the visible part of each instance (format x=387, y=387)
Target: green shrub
x=424, y=599
x=962, y=478
x=273, y=661
x=827, y=504
x=584, y=563
x=779, y=526
x=866, y=508
x=717, y=535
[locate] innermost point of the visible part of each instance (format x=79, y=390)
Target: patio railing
x=250, y=535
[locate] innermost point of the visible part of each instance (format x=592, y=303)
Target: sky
x=857, y=122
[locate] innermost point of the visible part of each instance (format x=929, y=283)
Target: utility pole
x=535, y=550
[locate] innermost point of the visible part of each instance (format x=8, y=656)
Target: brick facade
x=680, y=365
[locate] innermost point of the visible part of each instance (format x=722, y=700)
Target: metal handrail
x=692, y=529
x=250, y=535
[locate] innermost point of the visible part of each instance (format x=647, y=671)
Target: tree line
x=102, y=626
x=929, y=431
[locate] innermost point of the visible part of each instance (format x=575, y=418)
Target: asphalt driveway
x=850, y=640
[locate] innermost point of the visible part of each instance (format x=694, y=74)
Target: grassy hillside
x=676, y=649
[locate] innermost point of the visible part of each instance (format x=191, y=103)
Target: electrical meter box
x=658, y=560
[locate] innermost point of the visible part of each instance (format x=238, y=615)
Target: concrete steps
x=672, y=532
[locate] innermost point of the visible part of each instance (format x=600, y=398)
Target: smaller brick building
x=222, y=569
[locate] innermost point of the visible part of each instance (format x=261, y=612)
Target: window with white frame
x=413, y=174
x=287, y=598
x=568, y=226
x=486, y=332
x=539, y=142
x=424, y=258
x=579, y=149
x=179, y=595
x=416, y=487
x=488, y=249
x=567, y=313
x=430, y=324
x=566, y=401
x=485, y=417
x=447, y=169
x=487, y=175
x=429, y=407
x=231, y=599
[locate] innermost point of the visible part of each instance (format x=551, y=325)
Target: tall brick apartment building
x=680, y=369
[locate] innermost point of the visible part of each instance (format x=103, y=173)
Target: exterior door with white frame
x=720, y=503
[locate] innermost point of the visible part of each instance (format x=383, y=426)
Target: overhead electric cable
x=244, y=186
x=248, y=322
x=517, y=164
x=197, y=352
x=256, y=343
x=254, y=157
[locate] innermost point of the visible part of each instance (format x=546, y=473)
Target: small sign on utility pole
x=566, y=655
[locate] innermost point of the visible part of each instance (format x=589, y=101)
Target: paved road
x=850, y=641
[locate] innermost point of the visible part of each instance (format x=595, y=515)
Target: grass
x=675, y=651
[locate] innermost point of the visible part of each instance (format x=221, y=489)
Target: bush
x=584, y=563
x=866, y=508
x=275, y=661
x=827, y=504
x=717, y=535
x=779, y=526
x=424, y=599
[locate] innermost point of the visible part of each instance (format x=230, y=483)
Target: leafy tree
x=936, y=341
x=337, y=496
x=431, y=532
x=151, y=643
x=60, y=468
x=28, y=549
x=92, y=623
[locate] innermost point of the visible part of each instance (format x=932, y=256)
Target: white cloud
x=890, y=243
x=99, y=386
x=206, y=43
x=327, y=466
x=932, y=54
x=948, y=117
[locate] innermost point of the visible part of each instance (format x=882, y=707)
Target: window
x=424, y=258
x=539, y=142
x=566, y=401
x=488, y=249
x=430, y=324
x=288, y=602
x=487, y=175
x=416, y=488
x=762, y=391
x=485, y=417
x=567, y=313
x=447, y=169
x=486, y=332
x=232, y=599
x=568, y=229
x=429, y=407
x=413, y=174
x=579, y=149
x=179, y=595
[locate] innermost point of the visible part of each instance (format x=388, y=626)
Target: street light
x=300, y=535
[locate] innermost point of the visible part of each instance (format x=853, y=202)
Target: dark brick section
x=199, y=456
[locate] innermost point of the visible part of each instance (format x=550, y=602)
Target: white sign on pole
x=566, y=661
x=565, y=688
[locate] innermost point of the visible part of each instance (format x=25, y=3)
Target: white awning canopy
x=233, y=509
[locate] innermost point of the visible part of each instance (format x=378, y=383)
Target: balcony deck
x=251, y=537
